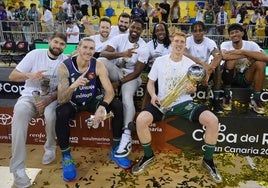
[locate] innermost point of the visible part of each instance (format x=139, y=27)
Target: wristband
x=104, y=104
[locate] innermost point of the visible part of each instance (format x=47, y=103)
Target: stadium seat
x=22, y=48
x=7, y=51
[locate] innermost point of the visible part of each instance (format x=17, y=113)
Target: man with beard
x=129, y=53
x=122, y=25
x=103, y=38
x=39, y=71
x=244, y=66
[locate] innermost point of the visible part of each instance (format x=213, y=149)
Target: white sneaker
x=21, y=180
x=48, y=157
x=125, y=146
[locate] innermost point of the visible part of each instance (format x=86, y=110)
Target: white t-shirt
x=99, y=45
x=168, y=73
x=48, y=18
x=242, y=64
x=73, y=38
x=37, y=60
x=121, y=43
x=115, y=31
x=160, y=50
x=201, y=51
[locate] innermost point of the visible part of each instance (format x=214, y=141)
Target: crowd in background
x=22, y=23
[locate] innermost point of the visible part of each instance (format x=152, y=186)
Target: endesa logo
x=10, y=87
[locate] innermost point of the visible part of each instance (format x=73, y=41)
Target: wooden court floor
x=170, y=170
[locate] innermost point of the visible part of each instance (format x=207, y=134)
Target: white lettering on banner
x=139, y=92
x=154, y=128
x=247, y=138
x=265, y=139
x=74, y=139
x=72, y=123
x=5, y=137
x=264, y=96
x=37, y=135
x=102, y=139
x=10, y=88
x=35, y=121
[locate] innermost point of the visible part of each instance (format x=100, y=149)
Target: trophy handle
x=90, y=122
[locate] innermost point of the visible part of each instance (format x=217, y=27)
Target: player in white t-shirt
x=103, y=38
x=39, y=71
x=169, y=70
x=158, y=46
x=200, y=48
x=122, y=25
x=129, y=53
x=244, y=66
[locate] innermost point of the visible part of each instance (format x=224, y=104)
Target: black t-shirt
x=165, y=6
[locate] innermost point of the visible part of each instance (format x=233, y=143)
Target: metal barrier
x=31, y=31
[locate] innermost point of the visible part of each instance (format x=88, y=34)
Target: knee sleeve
x=227, y=76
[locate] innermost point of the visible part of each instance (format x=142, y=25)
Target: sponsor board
x=243, y=134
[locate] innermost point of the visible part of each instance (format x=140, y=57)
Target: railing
x=31, y=31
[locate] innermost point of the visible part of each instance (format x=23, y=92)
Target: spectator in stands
x=103, y=38
x=147, y=7
x=78, y=15
x=175, y=12
x=122, y=25
x=200, y=13
x=255, y=4
x=95, y=6
x=265, y=43
x=67, y=7
x=61, y=18
x=242, y=13
x=129, y=53
x=200, y=48
x=39, y=71
x=155, y=14
x=209, y=19
x=165, y=9
x=168, y=70
x=11, y=18
x=79, y=75
x=244, y=65
x=138, y=12
x=22, y=16
x=84, y=4
x=3, y=19
x=48, y=19
x=222, y=19
x=234, y=10
x=158, y=46
x=34, y=16
x=264, y=4
x=254, y=18
x=72, y=32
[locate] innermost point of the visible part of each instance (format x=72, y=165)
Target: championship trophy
x=91, y=122
x=195, y=74
x=36, y=95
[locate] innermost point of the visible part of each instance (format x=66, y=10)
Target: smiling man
x=125, y=58
x=39, y=71
x=168, y=70
x=84, y=85
x=244, y=66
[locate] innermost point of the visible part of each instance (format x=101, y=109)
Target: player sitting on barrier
x=81, y=79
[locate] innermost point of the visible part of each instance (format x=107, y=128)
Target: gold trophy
x=195, y=74
x=91, y=122
x=36, y=95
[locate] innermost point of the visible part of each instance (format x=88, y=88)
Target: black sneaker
x=257, y=106
x=227, y=103
x=217, y=108
x=212, y=171
x=143, y=163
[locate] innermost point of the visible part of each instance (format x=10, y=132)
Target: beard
x=55, y=52
x=122, y=28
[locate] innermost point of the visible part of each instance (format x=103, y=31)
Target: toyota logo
x=5, y=119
